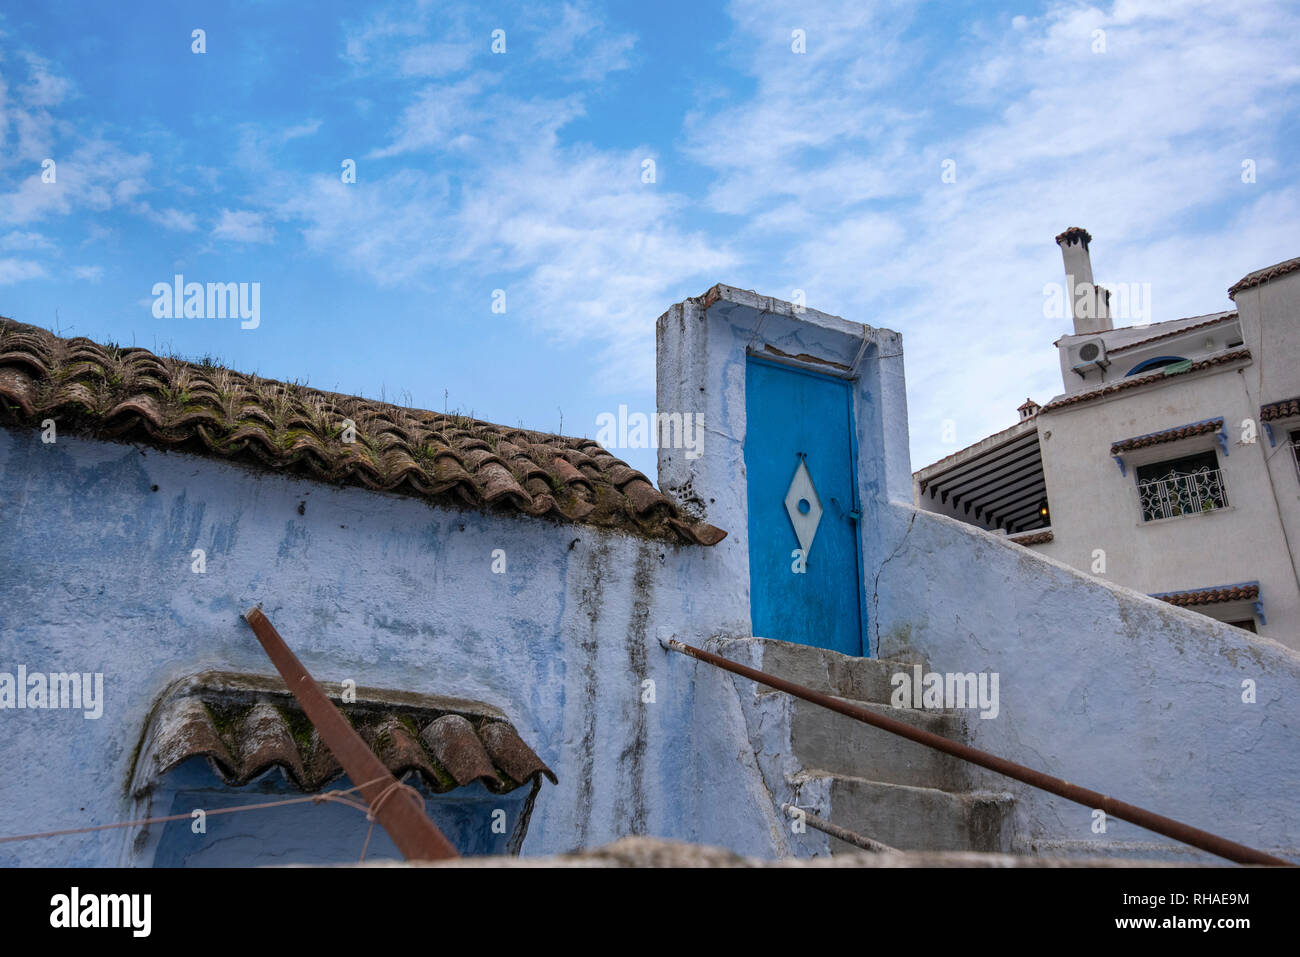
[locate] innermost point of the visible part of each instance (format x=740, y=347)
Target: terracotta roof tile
x=130, y=394
x=1166, y=435
x=247, y=724
x=1227, y=316
x=1033, y=538
x=1246, y=591
x=1073, y=235
x=1279, y=410
x=1124, y=384
x=1263, y=275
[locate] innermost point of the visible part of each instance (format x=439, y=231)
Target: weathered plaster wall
x=1094, y=506
x=703, y=345
x=1270, y=325
x=1099, y=685
x=95, y=576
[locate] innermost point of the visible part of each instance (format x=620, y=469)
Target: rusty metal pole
x=417, y=837
x=843, y=833
x=1177, y=830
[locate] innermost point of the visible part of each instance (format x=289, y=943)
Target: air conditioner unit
x=1087, y=355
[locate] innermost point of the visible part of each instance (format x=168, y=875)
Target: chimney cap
x=1073, y=235
x=1029, y=409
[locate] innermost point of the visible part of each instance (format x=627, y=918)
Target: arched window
x=1159, y=362
x=218, y=741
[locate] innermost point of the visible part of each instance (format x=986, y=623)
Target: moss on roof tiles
x=130, y=394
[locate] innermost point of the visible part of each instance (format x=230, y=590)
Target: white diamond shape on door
x=804, y=507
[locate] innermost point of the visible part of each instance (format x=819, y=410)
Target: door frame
x=850, y=385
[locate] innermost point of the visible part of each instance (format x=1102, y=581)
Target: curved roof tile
x=1263, y=275
x=1166, y=435
x=130, y=394
x=1130, y=383
x=1245, y=591
x=247, y=724
x=1279, y=410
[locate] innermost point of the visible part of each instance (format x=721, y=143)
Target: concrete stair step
x=912, y=818
x=860, y=679
x=839, y=744
x=1137, y=852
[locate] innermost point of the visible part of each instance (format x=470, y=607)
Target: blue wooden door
x=803, y=514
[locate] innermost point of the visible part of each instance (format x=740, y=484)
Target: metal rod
x=834, y=830
x=1219, y=846
x=417, y=837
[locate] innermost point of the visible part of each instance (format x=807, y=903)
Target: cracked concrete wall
x=95, y=576
x=1100, y=685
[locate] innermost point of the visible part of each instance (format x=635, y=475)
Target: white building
x=1169, y=463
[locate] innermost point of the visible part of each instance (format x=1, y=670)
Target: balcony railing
x=1182, y=493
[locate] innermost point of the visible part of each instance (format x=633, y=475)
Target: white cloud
x=91, y=173
x=587, y=250
x=437, y=119
x=24, y=241
x=821, y=171
x=298, y=131
x=372, y=41
x=97, y=233
x=96, y=175
x=16, y=270
x=435, y=59
x=43, y=88
x=391, y=228
x=832, y=167
x=242, y=226
x=90, y=274
x=602, y=253
x=578, y=43
x=173, y=219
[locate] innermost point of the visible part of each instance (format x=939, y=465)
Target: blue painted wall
x=1099, y=684
x=95, y=576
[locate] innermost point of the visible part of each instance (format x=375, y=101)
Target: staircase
x=859, y=777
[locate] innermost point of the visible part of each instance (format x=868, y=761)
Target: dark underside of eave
x=1002, y=487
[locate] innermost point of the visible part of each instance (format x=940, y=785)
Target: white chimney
x=1089, y=305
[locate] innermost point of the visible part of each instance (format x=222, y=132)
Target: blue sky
x=522, y=171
